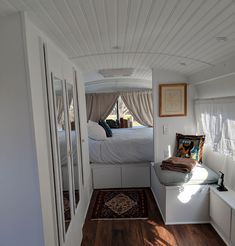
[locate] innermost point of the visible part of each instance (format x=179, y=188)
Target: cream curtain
x=100, y=105
x=140, y=105
x=60, y=108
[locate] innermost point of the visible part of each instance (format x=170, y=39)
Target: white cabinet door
x=233, y=227
x=106, y=177
x=135, y=176
x=220, y=213
x=64, y=124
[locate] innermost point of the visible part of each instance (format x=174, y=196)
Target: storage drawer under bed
x=120, y=175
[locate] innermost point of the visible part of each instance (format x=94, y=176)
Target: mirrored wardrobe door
x=74, y=133
x=61, y=166
x=79, y=136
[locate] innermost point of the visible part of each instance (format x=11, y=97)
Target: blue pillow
x=106, y=128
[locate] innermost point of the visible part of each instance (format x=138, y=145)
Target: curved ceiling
x=179, y=35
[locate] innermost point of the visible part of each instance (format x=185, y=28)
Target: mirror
x=73, y=139
x=63, y=151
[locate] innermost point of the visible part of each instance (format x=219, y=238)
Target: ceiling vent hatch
x=116, y=72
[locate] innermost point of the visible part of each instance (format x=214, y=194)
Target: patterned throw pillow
x=106, y=128
x=189, y=146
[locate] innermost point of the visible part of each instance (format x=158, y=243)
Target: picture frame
x=172, y=100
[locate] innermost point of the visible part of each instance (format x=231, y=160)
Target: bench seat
x=201, y=174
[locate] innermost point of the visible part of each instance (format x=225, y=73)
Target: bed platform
x=183, y=203
x=122, y=175
x=123, y=160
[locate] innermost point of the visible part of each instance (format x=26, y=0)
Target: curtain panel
x=140, y=105
x=60, y=108
x=100, y=105
x=216, y=119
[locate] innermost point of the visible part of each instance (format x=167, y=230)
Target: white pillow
x=95, y=131
x=92, y=123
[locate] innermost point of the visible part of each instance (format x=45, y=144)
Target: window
x=216, y=119
x=121, y=111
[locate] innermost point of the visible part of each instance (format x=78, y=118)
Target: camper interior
x=117, y=122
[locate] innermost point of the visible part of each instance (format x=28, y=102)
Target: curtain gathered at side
x=60, y=108
x=140, y=105
x=100, y=105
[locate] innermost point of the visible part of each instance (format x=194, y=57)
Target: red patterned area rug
x=120, y=204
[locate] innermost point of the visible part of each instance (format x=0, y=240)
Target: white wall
x=20, y=211
x=185, y=124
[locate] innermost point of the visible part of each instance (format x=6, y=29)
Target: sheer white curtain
x=216, y=119
x=140, y=105
x=100, y=105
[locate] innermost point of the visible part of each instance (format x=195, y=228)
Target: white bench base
x=187, y=204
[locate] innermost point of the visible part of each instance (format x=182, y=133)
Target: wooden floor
x=146, y=232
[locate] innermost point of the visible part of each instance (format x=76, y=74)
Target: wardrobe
x=45, y=172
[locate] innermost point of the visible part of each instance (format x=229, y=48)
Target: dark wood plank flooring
x=146, y=232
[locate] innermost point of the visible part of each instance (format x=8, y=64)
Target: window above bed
x=121, y=111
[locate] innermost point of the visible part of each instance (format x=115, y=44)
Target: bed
x=122, y=160
x=125, y=146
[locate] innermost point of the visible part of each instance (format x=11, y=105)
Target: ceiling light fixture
x=116, y=72
x=221, y=39
x=116, y=47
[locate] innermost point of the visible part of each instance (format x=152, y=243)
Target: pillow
x=95, y=131
x=189, y=146
x=112, y=123
x=92, y=123
x=106, y=128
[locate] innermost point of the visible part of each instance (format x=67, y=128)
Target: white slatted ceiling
x=150, y=33
x=6, y=8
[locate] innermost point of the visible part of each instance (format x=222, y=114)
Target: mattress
x=201, y=174
x=127, y=145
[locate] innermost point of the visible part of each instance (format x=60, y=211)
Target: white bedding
x=126, y=146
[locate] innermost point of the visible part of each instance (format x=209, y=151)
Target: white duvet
x=126, y=146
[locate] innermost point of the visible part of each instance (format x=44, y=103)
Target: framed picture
x=173, y=100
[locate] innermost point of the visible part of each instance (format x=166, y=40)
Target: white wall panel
x=20, y=207
x=184, y=124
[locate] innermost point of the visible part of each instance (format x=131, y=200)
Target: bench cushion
x=201, y=174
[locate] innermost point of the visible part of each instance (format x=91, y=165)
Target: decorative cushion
x=95, y=131
x=189, y=146
x=106, y=128
x=112, y=123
